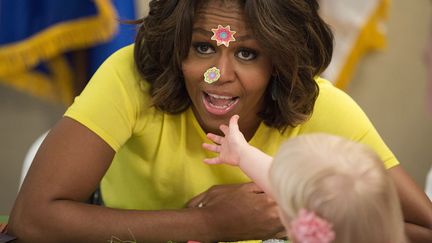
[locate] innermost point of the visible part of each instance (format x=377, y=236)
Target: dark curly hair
x=290, y=31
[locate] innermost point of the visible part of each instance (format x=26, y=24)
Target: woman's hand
x=240, y=212
x=231, y=147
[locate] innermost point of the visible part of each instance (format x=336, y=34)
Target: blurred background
x=47, y=56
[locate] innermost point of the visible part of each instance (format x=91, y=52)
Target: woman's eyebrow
x=202, y=31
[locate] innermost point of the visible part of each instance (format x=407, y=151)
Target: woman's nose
x=226, y=67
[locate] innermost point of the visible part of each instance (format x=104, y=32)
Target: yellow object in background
x=358, y=27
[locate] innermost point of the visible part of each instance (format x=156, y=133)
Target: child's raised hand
x=229, y=147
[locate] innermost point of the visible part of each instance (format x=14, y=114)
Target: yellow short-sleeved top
x=158, y=162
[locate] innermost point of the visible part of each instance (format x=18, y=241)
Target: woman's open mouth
x=219, y=104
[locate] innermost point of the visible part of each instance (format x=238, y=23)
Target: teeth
x=221, y=97
x=219, y=106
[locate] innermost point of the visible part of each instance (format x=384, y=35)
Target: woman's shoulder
x=122, y=62
x=116, y=91
x=326, y=86
x=335, y=110
x=120, y=67
x=329, y=95
x=123, y=54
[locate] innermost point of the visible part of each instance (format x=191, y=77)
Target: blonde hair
x=341, y=181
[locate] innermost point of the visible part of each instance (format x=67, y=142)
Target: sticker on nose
x=212, y=75
x=223, y=35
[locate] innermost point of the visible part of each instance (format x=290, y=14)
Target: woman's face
x=245, y=71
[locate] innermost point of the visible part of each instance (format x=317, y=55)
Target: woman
x=139, y=125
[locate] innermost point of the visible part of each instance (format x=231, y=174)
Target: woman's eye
x=247, y=55
x=203, y=48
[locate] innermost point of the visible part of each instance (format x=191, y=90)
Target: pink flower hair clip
x=212, y=75
x=223, y=35
x=308, y=227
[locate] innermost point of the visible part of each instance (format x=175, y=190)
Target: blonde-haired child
x=328, y=189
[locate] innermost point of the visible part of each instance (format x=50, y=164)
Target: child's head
x=342, y=182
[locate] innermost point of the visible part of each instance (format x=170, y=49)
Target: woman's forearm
x=68, y=221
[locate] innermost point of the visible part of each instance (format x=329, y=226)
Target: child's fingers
x=224, y=128
x=212, y=161
x=215, y=138
x=211, y=147
x=233, y=124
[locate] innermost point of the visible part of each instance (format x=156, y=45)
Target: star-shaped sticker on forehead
x=223, y=35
